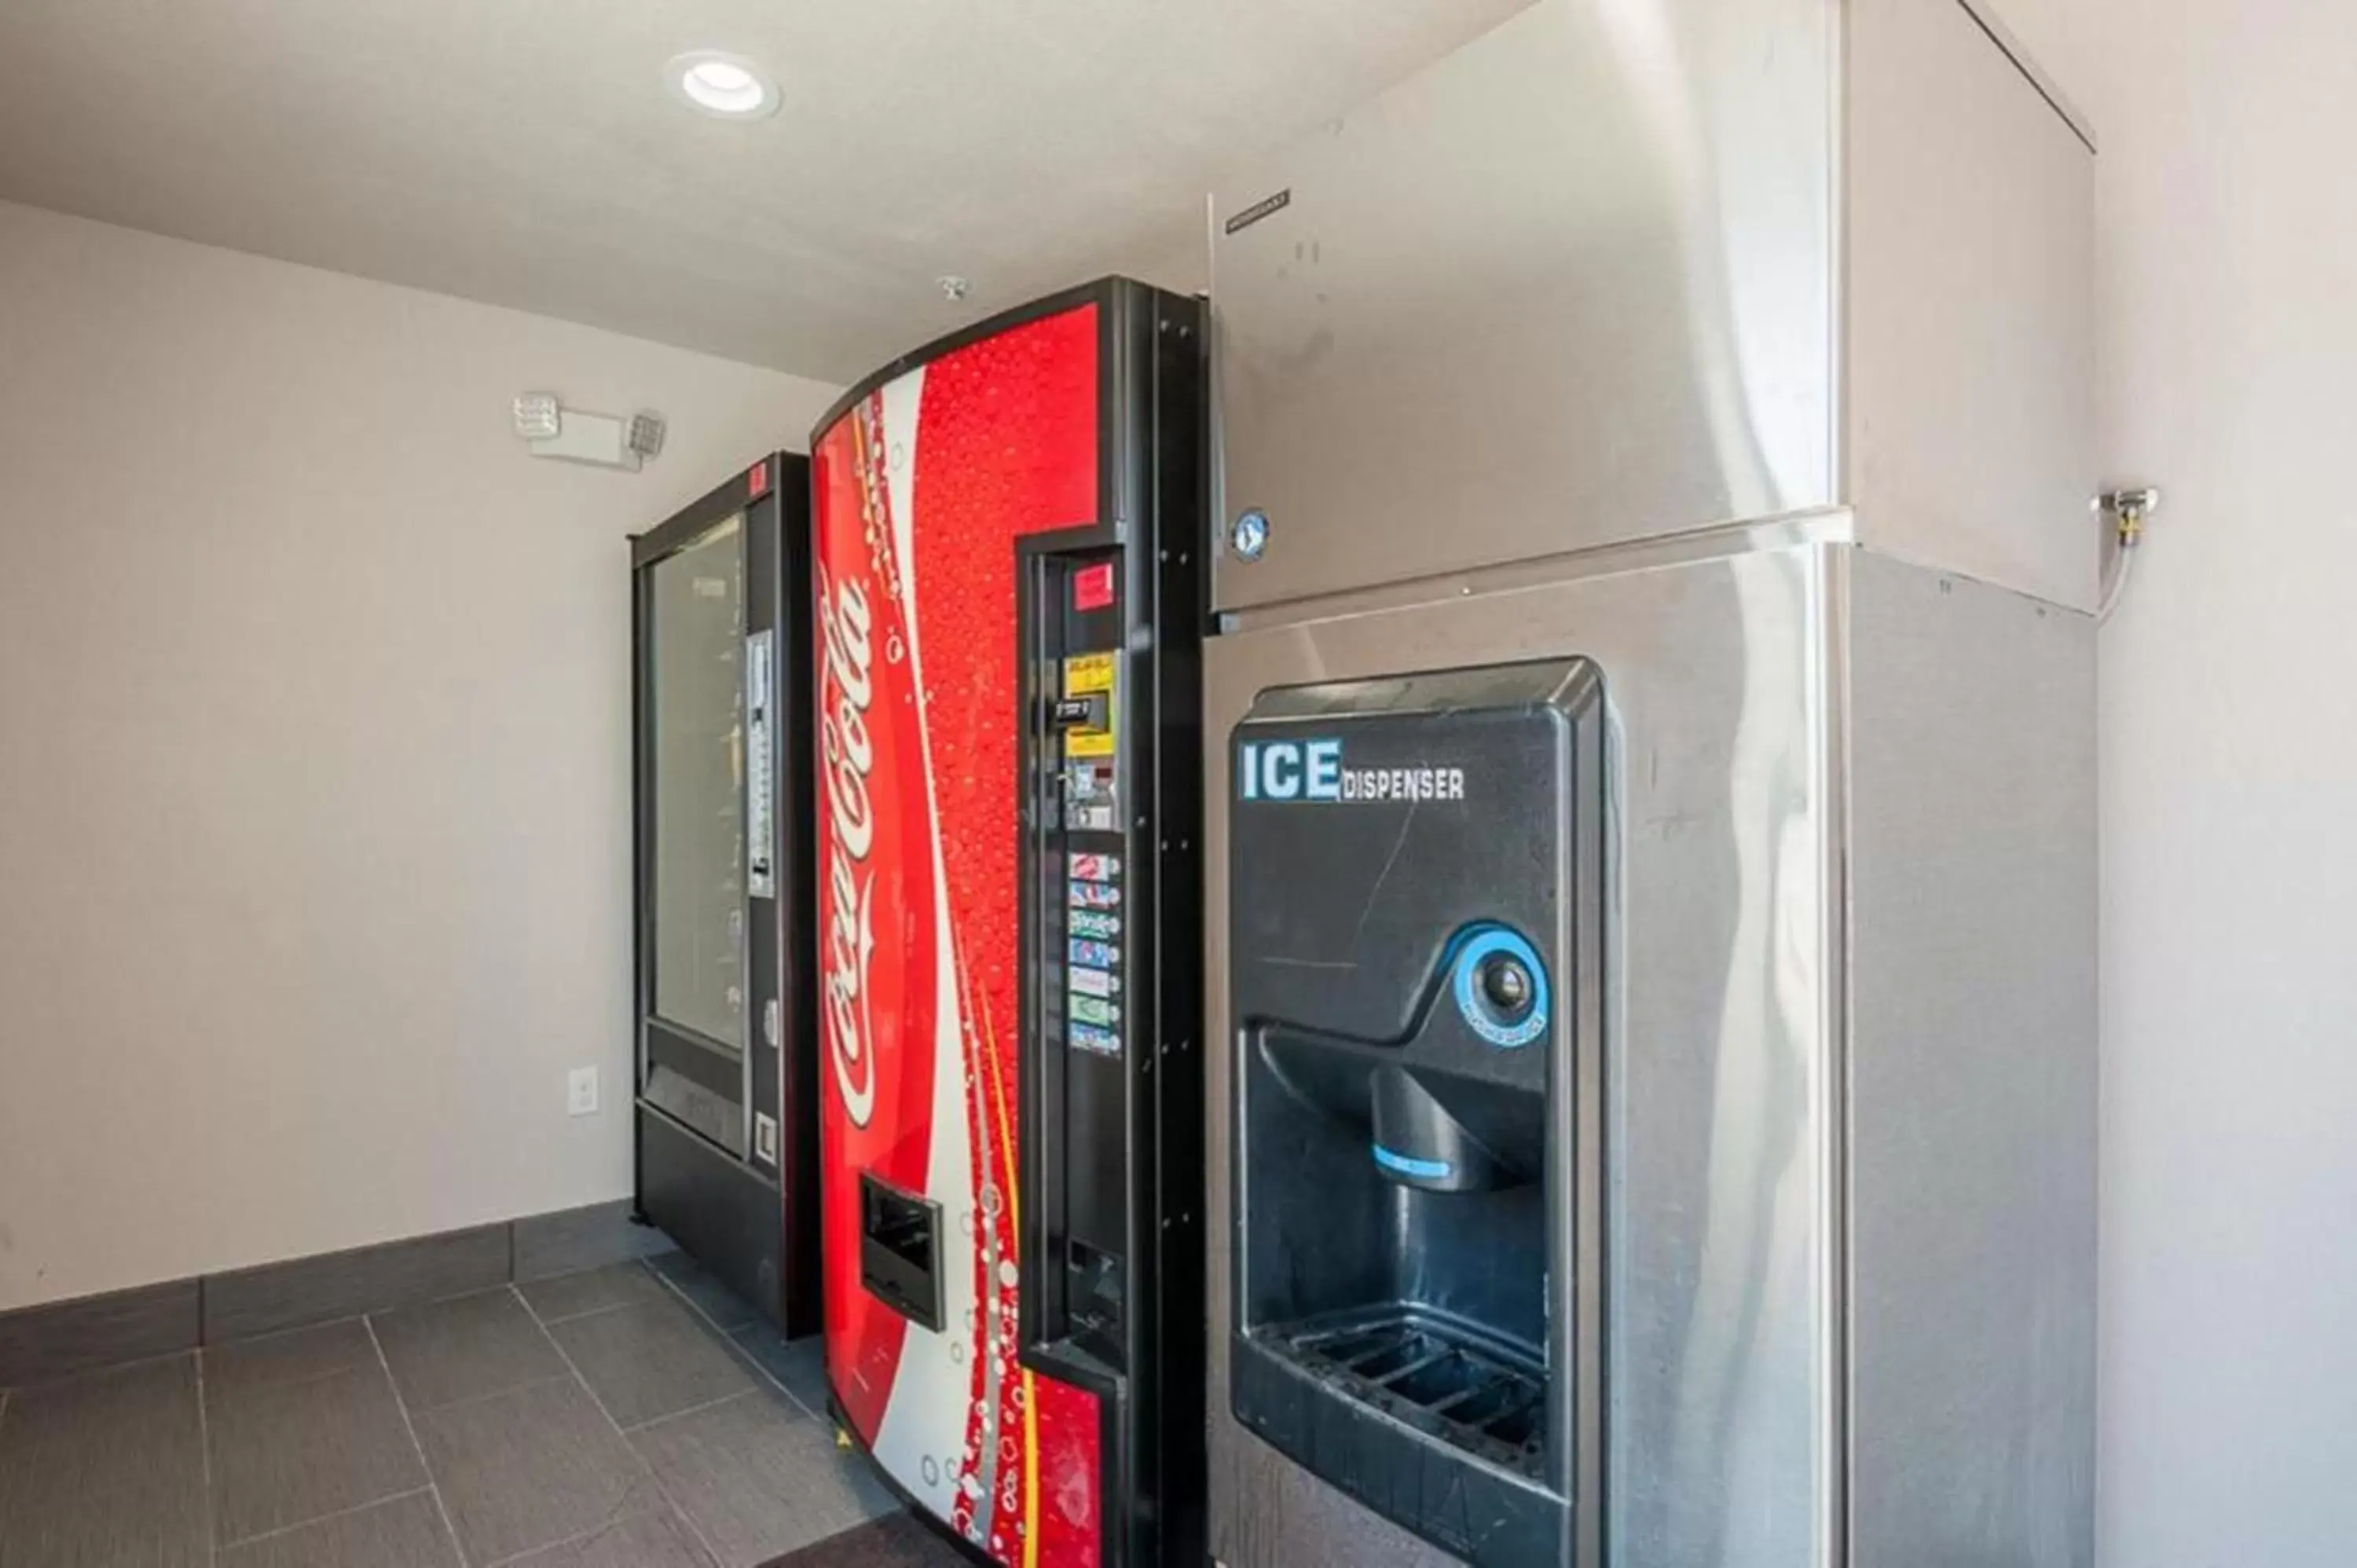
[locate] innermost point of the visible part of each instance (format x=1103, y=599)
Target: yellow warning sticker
x=1086, y=674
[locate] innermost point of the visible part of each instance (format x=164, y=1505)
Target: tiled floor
x=631, y=1417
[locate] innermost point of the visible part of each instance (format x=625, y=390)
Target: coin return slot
x=1096, y=1291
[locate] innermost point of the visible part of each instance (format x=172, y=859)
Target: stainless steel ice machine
x=1735, y=354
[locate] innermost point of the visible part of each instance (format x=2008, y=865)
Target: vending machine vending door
x=1056, y=448
x=726, y=1148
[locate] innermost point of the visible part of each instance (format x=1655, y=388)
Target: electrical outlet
x=581, y=1091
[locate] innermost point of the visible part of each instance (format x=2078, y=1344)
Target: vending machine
x=1009, y=590
x=725, y=1018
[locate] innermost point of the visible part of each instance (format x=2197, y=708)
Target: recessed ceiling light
x=727, y=86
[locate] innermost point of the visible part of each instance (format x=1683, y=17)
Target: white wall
x=2230, y=750
x=2229, y=235
x=314, y=747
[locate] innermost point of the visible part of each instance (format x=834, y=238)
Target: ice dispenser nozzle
x=1418, y=1144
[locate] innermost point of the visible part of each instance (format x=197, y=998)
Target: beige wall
x=2230, y=755
x=314, y=748
x=2229, y=241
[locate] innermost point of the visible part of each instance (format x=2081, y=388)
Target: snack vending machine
x=1008, y=576
x=726, y=1122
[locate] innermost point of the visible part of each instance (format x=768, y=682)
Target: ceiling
x=528, y=153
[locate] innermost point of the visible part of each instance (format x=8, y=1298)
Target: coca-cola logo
x=847, y=687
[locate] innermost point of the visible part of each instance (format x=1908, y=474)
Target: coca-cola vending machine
x=1009, y=541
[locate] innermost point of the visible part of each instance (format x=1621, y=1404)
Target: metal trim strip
x=1829, y=525
x=1830, y=750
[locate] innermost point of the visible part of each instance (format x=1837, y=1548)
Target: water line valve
x=2130, y=509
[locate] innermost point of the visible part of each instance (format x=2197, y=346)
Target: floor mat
x=897, y=1541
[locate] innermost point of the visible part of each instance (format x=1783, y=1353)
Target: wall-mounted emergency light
x=604, y=440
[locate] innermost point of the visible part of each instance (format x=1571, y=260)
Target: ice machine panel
x=1412, y=875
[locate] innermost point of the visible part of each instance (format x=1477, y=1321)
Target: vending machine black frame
x=1147, y=1374
x=752, y=1225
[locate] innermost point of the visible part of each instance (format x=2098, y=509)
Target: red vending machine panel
x=933, y=483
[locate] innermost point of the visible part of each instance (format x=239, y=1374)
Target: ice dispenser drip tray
x=1440, y=1375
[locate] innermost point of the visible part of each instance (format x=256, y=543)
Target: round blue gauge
x=1501, y=986
x=1249, y=535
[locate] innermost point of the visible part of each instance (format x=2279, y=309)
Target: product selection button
x=1096, y=895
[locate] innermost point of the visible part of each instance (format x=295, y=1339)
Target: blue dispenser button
x=1408, y=1166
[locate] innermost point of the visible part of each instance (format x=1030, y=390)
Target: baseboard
x=572, y=1240
x=58, y=1340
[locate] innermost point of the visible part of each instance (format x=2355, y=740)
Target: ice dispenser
x=1415, y=882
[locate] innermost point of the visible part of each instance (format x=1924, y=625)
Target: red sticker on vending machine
x=1092, y=586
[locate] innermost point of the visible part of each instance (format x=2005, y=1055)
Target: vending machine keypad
x=1080, y=853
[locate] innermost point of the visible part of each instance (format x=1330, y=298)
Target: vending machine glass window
x=697, y=625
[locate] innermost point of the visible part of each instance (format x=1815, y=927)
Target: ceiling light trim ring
x=722, y=85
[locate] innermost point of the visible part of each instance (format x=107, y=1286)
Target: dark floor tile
x=345, y=1285
x=896, y=1540
x=289, y=1449
x=711, y=1298
x=296, y=1356
x=530, y=1468
x=406, y=1532
x=570, y=1295
x=800, y=1367
x=579, y=1239
x=463, y=1348
x=760, y=1477
x=41, y=1344
x=647, y=1540
x=647, y=1362
x=106, y=1469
